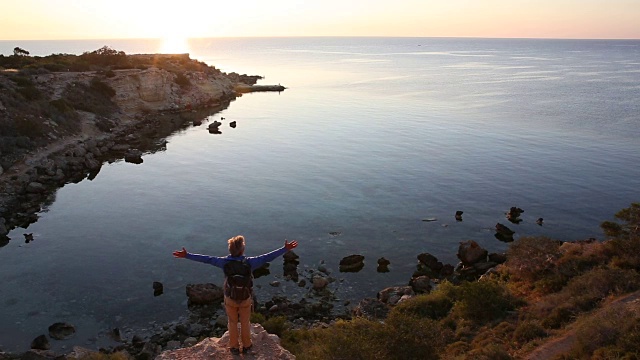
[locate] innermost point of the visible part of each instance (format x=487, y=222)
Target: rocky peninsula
x=63, y=116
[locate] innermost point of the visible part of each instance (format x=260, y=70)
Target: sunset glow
x=174, y=45
x=98, y=19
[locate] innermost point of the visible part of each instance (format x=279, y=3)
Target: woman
x=237, y=309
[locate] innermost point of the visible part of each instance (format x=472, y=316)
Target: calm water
x=372, y=136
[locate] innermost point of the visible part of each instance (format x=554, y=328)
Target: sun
x=174, y=45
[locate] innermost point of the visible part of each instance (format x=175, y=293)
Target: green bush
x=358, y=339
x=528, y=330
x=276, y=325
x=559, y=316
x=95, y=98
x=409, y=337
x=491, y=352
x=483, y=301
x=587, y=290
x=435, y=305
x=101, y=88
x=630, y=228
x=613, y=331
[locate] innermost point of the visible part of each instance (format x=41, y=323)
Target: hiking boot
x=247, y=349
x=235, y=351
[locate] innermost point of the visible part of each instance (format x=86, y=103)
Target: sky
x=112, y=19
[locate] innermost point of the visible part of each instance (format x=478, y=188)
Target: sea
x=372, y=137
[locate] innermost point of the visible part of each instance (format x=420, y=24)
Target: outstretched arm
x=258, y=261
x=213, y=260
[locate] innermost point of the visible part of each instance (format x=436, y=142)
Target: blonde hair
x=236, y=245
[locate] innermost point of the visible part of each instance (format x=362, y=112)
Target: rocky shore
x=204, y=329
x=148, y=105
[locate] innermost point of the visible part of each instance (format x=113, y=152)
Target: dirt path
x=564, y=343
x=87, y=131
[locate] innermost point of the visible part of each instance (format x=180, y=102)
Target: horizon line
x=328, y=36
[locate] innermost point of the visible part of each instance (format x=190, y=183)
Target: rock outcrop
x=265, y=346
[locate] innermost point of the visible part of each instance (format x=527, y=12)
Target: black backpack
x=238, y=284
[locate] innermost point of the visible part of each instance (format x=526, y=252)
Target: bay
x=372, y=136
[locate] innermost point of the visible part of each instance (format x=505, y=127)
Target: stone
x=482, y=267
x=498, y=258
x=204, y=294
x=430, y=261
x=222, y=321
x=469, y=252
x=133, y=156
x=290, y=256
x=352, y=263
x=158, y=289
x=35, y=188
x=190, y=341
x=392, y=295
x=319, y=282
x=503, y=233
x=61, y=331
x=514, y=214
x=421, y=284
x=41, y=343
x=172, y=345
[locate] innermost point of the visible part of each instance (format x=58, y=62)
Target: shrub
x=435, y=305
x=613, y=331
x=532, y=258
x=528, y=330
x=589, y=289
x=276, y=325
x=355, y=339
x=490, y=352
x=95, y=98
x=408, y=337
x=483, y=301
x=559, y=316
x=631, y=226
x=101, y=88
x=61, y=105
x=29, y=127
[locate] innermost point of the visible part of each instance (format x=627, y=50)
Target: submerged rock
x=352, y=263
x=61, y=331
x=503, y=233
x=204, y=294
x=158, y=289
x=41, y=343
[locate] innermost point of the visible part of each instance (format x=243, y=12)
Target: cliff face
x=150, y=90
x=140, y=91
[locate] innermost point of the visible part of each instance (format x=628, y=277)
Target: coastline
x=150, y=106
